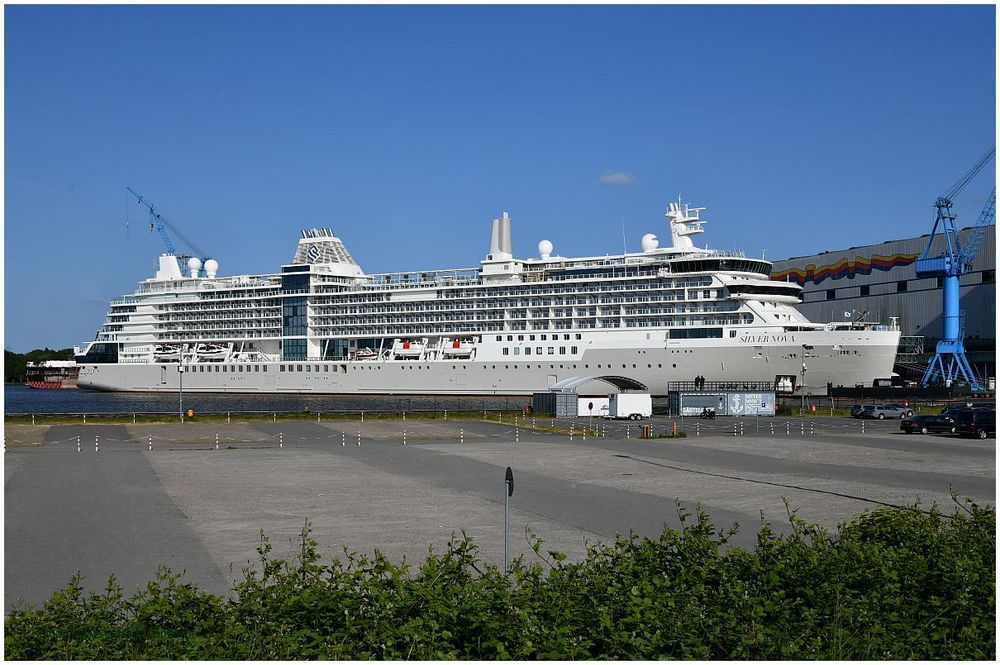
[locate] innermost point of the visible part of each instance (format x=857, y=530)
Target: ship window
x=308, y=368
x=586, y=366
x=527, y=350
x=520, y=338
x=901, y=286
x=659, y=365
x=552, y=350
x=989, y=276
x=316, y=367
x=506, y=351
x=562, y=350
x=281, y=368
x=566, y=336
x=510, y=338
x=578, y=336
x=256, y=368
x=216, y=368
x=831, y=294
x=499, y=338
x=544, y=337
x=531, y=337
x=732, y=333
x=572, y=349
x=517, y=351
x=866, y=290
x=299, y=368
x=538, y=350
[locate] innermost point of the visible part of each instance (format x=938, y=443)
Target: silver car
x=883, y=411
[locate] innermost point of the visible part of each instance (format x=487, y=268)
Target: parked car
x=857, y=410
x=883, y=411
x=977, y=422
x=925, y=424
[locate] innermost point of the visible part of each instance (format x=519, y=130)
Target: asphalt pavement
x=167, y=494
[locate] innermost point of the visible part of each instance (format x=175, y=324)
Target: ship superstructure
x=508, y=327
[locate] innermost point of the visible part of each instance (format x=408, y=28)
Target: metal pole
x=506, y=524
x=180, y=392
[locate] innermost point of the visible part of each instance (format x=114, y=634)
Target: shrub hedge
x=896, y=583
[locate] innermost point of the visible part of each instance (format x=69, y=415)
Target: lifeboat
x=407, y=349
x=167, y=352
x=457, y=349
x=365, y=354
x=213, y=351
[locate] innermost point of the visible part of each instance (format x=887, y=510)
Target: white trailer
x=631, y=406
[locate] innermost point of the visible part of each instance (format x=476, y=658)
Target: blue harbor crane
x=949, y=362
x=157, y=221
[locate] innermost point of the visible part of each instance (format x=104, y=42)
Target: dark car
x=976, y=422
x=856, y=410
x=925, y=424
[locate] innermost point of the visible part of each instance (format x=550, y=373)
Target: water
x=21, y=399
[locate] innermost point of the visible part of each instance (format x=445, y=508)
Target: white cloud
x=617, y=179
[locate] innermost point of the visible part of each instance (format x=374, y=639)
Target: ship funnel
x=500, y=245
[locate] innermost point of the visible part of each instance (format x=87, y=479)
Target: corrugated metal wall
x=873, y=278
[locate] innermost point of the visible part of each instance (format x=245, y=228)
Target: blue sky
x=408, y=129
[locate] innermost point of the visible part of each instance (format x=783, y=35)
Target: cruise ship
x=507, y=327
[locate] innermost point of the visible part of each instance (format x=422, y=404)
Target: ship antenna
x=624, y=246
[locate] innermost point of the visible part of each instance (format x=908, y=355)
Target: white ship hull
x=837, y=358
x=509, y=327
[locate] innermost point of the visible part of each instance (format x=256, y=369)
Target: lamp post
x=180, y=391
x=802, y=384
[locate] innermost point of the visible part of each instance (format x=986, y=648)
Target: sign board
x=509, y=479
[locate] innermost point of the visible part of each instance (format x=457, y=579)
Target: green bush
x=896, y=583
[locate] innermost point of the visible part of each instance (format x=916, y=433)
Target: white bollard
x=788, y=428
x=532, y=421
x=274, y=417
x=78, y=443
x=628, y=432
x=741, y=428
x=150, y=441
x=570, y=432
x=359, y=438
x=404, y=437
x=734, y=429
x=216, y=441
x=281, y=440
x=97, y=444
x=133, y=420
x=317, y=417
x=85, y=419
x=862, y=426
x=772, y=429
x=811, y=428
x=343, y=439
x=404, y=416
x=517, y=437
x=802, y=428
x=227, y=417
x=697, y=429
x=461, y=436
x=446, y=414
x=33, y=420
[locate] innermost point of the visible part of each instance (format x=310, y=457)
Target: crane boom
x=975, y=239
x=157, y=221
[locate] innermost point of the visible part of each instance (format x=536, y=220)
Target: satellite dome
x=545, y=249
x=211, y=268
x=649, y=242
x=194, y=265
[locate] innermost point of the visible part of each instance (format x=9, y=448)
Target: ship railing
x=720, y=386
